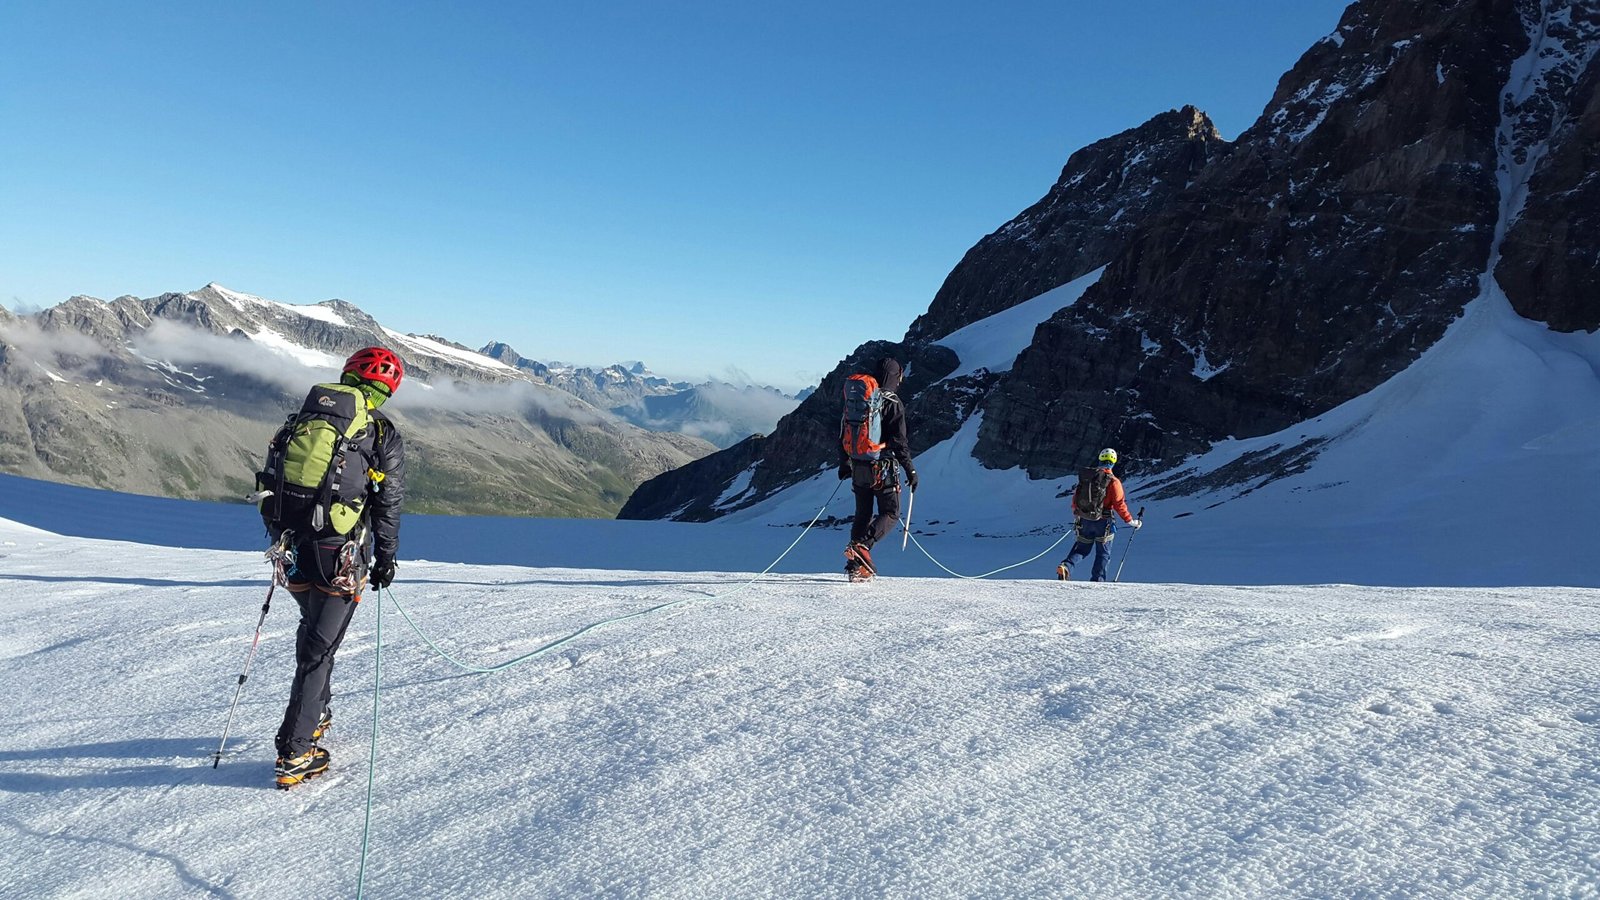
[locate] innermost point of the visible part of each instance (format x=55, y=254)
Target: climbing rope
x=534, y=654
x=1030, y=559
x=372, y=760
x=372, y=753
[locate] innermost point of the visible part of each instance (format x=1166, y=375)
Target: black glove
x=383, y=573
x=911, y=478
x=844, y=471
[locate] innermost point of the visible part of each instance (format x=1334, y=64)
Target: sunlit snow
x=437, y=348
x=805, y=737
x=993, y=343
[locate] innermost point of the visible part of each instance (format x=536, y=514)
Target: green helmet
x=1108, y=455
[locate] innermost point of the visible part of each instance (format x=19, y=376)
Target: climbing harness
x=1077, y=530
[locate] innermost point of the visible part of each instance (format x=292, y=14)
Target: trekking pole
x=216, y=758
x=910, y=505
x=276, y=554
x=1129, y=547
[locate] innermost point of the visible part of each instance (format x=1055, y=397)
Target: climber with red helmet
x=330, y=495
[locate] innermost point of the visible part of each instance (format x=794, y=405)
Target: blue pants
x=1102, y=556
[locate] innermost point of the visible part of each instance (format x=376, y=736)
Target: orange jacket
x=1116, y=499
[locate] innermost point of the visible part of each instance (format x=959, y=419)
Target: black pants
x=323, y=620
x=869, y=529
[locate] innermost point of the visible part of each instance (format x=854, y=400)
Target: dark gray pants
x=323, y=620
x=869, y=529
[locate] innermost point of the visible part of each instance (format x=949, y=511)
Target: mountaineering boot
x=323, y=724
x=856, y=572
x=858, y=552
x=304, y=767
x=1063, y=573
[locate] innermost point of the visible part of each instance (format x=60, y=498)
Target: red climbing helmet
x=378, y=365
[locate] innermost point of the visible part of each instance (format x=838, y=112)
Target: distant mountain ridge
x=177, y=394
x=715, y=411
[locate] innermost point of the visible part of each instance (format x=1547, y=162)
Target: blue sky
x=714, y=188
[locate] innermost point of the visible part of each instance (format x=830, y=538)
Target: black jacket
x=894, y=431
x=385, y=497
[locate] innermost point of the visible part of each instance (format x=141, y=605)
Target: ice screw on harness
x=1128, y=547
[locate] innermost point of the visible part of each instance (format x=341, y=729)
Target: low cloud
x=723, y=414
x=55, y=349
x=289, y=370
x=293, y=370
x=516, y=399
x=759, y=405
x=186, y=346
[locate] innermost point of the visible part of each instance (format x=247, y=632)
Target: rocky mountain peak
x=351, y=313
x=503, y=352
x=1197, y=125
x=1102, y=195
x=1252, y=286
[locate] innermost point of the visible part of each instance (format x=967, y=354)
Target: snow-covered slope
x=992, y=343
x=908, y=738
x=1474, y=466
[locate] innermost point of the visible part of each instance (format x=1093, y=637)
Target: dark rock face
x=1333, y=244
x=1549, y=267
x=1253, y=285
x=1106, y=190
x=1104, y=193
x=805, y=442
x=688, y=494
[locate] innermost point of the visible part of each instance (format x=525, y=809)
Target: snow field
x=905, y=738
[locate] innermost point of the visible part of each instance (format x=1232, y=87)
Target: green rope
x=372, y=757
x=372, y=762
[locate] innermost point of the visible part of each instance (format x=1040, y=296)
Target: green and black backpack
x=315, y=478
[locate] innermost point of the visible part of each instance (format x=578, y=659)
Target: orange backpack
x=861, y=429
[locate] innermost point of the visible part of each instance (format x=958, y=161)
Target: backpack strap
x=273, y=478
